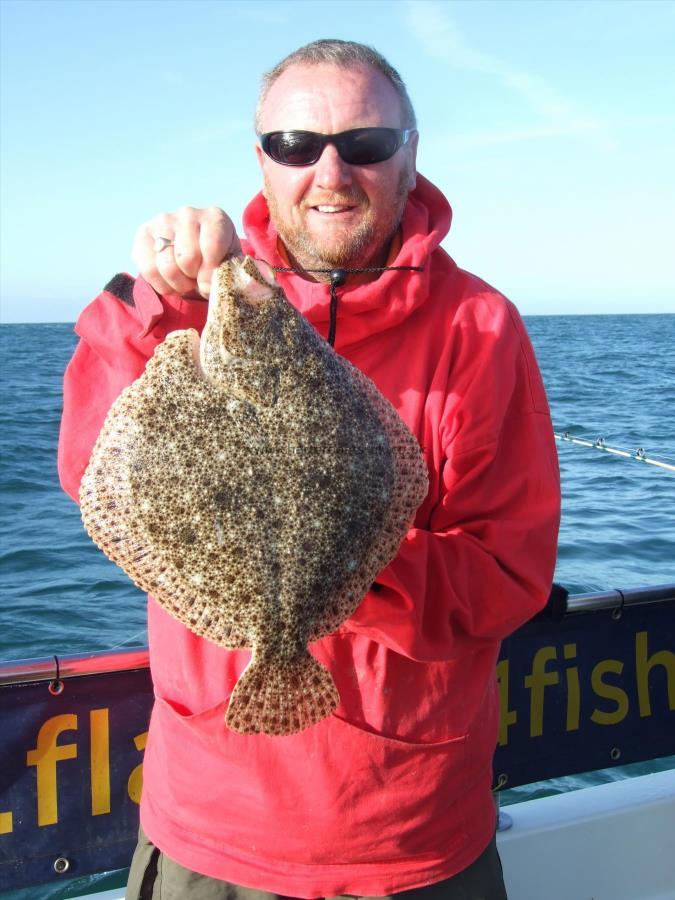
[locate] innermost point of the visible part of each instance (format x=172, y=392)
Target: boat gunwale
x=53, y=668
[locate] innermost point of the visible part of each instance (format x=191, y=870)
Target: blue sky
x=549, y=125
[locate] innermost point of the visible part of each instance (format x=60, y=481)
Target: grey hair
x=348, y=54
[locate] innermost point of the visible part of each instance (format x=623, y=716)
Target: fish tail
x=281, y=696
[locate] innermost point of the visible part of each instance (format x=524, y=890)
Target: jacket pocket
x=395, y=741
x=331, y=795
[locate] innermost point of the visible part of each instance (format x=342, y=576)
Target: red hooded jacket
x=393, y=790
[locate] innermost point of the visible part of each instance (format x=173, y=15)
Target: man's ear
x=412, y=149
x=261, y=158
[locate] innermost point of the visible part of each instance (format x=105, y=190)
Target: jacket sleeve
x=483, y=563
x=118, y=333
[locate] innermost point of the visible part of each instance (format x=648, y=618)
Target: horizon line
x=524, y=315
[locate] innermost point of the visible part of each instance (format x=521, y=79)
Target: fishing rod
x=639, y=455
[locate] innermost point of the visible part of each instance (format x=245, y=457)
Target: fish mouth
x=237, y=282
x=252, y=281
x=259, y=271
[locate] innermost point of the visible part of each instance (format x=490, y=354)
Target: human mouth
x=332, y=210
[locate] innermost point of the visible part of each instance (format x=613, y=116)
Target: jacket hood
x=380, y=304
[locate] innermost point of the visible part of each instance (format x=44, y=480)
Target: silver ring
x=161, y=243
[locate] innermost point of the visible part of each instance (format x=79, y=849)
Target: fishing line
x=639, y=455
x=130, y=638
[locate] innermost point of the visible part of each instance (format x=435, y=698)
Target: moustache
x=344, y=198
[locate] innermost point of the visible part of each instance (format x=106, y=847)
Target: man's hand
x=201, y=240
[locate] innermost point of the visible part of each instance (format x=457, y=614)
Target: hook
x=56, y=685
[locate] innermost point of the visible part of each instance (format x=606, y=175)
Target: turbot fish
x=255, y=483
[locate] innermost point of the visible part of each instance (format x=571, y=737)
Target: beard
x=367, y=244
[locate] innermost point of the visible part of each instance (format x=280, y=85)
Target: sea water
x=606, y=376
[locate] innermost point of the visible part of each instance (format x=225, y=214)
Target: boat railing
x=588, y=684
x=618, y=600
x=104, y=661
x=52, y=668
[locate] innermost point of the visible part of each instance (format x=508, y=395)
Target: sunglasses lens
x=358, y=147
x=365, y=146
x=294, y=148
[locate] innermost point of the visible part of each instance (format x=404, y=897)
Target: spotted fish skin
x=255, y=483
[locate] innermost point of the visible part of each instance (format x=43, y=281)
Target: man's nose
x=331, y=171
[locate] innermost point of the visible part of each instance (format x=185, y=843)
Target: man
x=392, y=793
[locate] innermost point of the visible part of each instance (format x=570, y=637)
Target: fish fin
x=281, y=697
x=132, y=551
x=410, y=486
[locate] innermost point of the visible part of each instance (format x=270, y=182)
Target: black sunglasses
x=358, y=147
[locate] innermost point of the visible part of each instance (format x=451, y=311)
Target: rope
x=639, y=455
x=299, y=271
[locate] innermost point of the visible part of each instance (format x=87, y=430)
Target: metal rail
x=599, y=444
x=52, y=668
x=616, y=599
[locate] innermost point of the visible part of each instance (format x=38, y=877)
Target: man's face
x=331, y=213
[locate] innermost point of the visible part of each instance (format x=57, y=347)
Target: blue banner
x=71, y=775
x=588, y=692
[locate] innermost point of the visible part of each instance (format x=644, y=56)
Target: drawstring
x=337, y=278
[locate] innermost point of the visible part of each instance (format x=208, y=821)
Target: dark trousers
x=154, y=876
